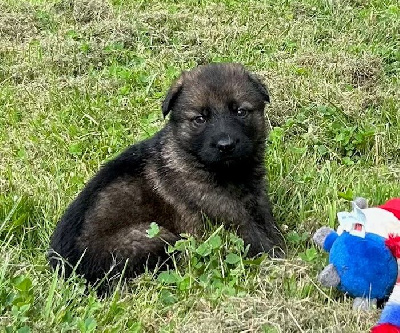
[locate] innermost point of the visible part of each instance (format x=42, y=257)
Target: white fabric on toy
x=376, y=220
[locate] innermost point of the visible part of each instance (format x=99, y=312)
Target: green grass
x=80, y=80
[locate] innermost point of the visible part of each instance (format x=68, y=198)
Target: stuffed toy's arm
x=325, y=237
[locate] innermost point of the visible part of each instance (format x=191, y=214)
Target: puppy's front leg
x=261, y=231
x=261, y=240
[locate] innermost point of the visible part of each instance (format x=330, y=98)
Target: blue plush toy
x=364, y=257
x=361, y=267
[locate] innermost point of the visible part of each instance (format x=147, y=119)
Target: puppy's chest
x=227, y=203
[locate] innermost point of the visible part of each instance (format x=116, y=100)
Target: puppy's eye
x=199, y=120
x=242, y=112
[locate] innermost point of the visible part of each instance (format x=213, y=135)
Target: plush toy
x=364, y=258
x=390, y=318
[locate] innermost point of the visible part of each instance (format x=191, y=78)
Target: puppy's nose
x=226, y=145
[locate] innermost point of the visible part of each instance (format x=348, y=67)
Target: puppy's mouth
x=224, y=161
x=227, y=160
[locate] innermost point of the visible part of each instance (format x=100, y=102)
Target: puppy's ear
x=260, y=86
x=172, y=95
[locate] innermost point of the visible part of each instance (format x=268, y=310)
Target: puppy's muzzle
x=226, y=145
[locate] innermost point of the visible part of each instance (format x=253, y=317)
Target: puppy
x=208, y=159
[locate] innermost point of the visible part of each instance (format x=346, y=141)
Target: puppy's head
x=217, y=114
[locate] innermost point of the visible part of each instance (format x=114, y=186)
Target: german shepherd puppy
x=208, y=159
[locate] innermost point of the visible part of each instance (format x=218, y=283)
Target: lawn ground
x=82, y=79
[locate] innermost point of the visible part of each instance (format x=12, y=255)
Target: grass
x=82, y=79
